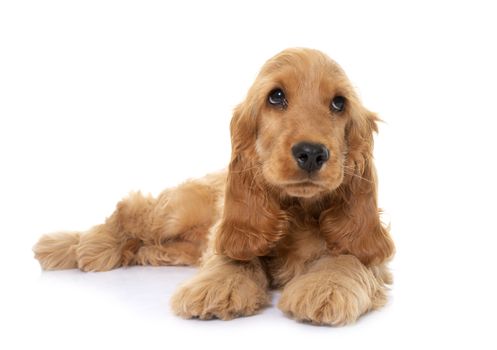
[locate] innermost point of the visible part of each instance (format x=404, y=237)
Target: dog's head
x=302, y=125
x=300, y=133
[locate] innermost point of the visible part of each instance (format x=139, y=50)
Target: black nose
x=310, y=156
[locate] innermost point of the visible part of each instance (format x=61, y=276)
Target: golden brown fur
x=265, y=223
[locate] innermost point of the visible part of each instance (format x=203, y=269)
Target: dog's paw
x=215, y=296
x=321, y=299
x=97, y=254
x=57, y=251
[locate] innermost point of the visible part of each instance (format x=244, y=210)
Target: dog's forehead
x=303, y=60
x=304, y=67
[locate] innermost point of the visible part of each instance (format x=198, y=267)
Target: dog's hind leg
x=57, y=251
x=178, y=252
x=170, y=229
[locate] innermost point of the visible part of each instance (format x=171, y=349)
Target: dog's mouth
x=305, y=189
x=302, y=184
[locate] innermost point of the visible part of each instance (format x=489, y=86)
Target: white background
x=98, y=98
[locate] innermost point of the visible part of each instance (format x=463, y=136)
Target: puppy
x=296, y=210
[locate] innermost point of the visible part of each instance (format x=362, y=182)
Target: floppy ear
x=252, y=220
x=352, y=224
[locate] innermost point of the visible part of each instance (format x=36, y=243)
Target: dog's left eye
x=338, y=103
x=277, y=98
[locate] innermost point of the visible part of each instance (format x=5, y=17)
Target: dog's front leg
x=334, y=291
x=224, y=289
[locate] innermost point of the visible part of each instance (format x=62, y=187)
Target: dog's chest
x=301, y=246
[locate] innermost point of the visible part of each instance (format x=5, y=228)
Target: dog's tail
x=58, y=250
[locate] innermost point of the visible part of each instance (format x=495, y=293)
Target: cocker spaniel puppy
x=296, y=210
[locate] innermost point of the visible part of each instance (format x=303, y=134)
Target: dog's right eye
x=277, y=98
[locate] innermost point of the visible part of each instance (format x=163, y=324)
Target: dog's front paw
x=215, y=296
x=323, y=299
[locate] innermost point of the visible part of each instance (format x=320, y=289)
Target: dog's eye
x=277, y=98
x=338, y=103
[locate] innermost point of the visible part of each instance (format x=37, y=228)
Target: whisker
x=349, y=166
x=360, y=177
x=257, y=173
x=246, y=169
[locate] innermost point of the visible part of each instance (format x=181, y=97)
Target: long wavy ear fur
x=252, y=221
x=352, y=224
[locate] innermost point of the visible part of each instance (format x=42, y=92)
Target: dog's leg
x=169, y=253
x=57, y=251
x=178, y=219
x=335, y=291
x=102, y=247
x=223, y=289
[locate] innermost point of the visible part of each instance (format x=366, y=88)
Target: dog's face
x=306, y=104
x=302, y=133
